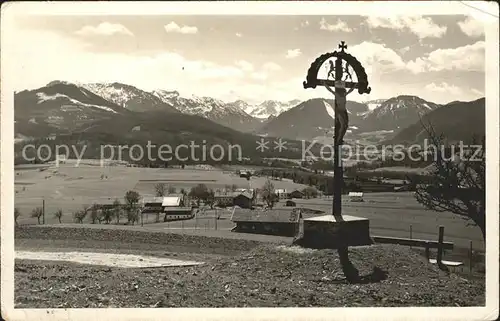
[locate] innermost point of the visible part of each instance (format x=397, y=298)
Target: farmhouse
x=356, y=197
x=178, y=213
x=243, y=199
x=281, y=222
x=173, y=200
x=248, y=190
x=224, y=199
x=281, y=193
x=296, y=194
x=246, y=173
x=152, y=205
x=172, y=205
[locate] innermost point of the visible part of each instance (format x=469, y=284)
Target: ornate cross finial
x=342, y=46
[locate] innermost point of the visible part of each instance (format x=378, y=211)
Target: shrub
x=94, y=213
x=38, y=213
x=79, y=216
x=58, y=214
x=160, y=189
x=117, y=210
x=107, y=215
x=17, y=213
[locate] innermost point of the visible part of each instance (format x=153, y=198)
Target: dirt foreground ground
x=235, y=273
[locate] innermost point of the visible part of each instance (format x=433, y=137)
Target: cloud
x=338, y=26
x=259, y=75
x=404, y=50
x=104, y=29
x=293, y=53
x=465, y=58
x=244, y=65
x=271, y=66
x=377, y=58
x=477, y=92
x=59, y=57
x=174, y=27
x=418, y=25
x=471, y=27
x=239, y=35
x=444, y=88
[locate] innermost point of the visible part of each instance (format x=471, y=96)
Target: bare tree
x=17, y=213
x=210, y=198
x=94, y=213
x=58, y=214
x=160, y=190
x=117, y=210
x=38, y=213
x=268, y=194
x=107, y=215
x=458, y=183
x=132, y=200
x=171, y=189
x=79, y=216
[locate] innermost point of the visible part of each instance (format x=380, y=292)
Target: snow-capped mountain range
x=270, y=108
x=239, y=114
x=68, y=105
x=315, y=117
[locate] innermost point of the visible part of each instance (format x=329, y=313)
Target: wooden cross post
x=340, y=100
x=338, y=176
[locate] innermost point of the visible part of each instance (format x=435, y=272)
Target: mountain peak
x=59, y=82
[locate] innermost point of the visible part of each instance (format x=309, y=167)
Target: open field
x=236, y=273
x=69, y=188
x=390, y=214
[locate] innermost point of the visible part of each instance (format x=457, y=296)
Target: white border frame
x=379, y=8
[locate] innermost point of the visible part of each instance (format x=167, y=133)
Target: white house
x=281, y=193
x=356, y=197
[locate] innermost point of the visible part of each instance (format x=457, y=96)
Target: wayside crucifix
x=340, y=76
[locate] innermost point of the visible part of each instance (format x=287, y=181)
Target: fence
x=207, y=219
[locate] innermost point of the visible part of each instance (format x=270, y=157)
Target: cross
x=342, y=45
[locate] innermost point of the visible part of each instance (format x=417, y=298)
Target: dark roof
x=283, y=215
x=310, y=211
x=246, y=194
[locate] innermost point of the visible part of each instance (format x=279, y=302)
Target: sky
x=253, y=58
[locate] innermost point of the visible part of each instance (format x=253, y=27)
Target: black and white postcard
x=249, y=160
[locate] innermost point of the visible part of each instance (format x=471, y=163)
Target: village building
x=356, y=196
x=281, y=193
x=244, y=199
x=173, y=206
x=241, y=190
x=280, y=221
x=224, y=199
x=296, y=194
x=152, y=205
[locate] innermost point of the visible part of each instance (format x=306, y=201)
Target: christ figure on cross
x=341, y=115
